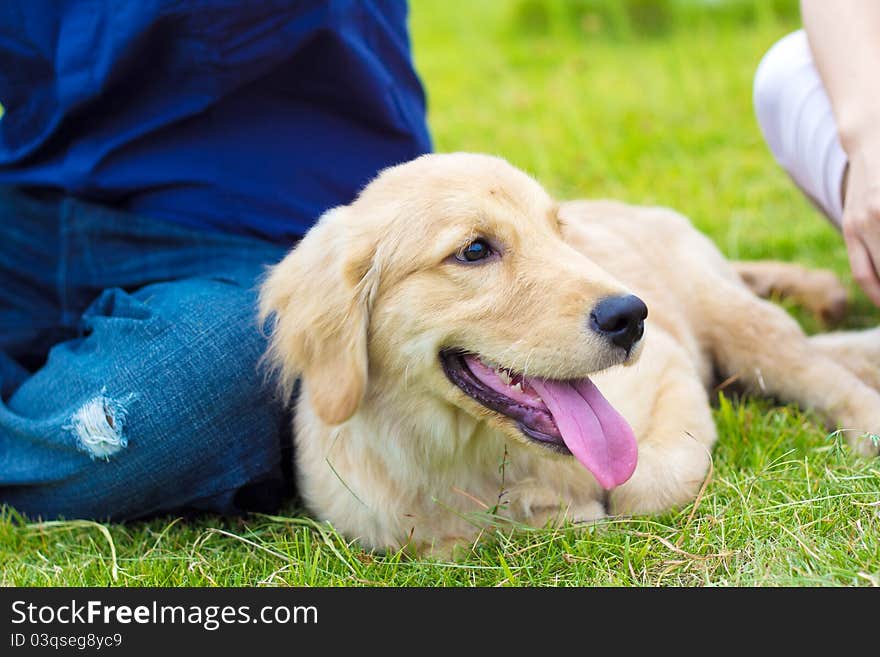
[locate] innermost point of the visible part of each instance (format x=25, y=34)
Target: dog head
x=448, y=280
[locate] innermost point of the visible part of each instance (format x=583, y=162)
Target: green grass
x=649, y=102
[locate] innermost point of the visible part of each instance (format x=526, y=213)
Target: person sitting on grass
x=154, y=158
x=817, y=102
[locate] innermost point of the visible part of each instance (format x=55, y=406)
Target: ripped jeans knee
x=99, y=425
x=159, y=405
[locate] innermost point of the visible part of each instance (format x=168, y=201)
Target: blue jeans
x=130, y=382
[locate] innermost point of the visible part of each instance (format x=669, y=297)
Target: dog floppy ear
x=319, y=295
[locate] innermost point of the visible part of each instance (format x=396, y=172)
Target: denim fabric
x=129, y=366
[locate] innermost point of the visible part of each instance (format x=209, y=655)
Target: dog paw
x=557, y=515
x=864, y=443
x=451, y=548
x=820, y=291
x=861, y=428
x=829, y=298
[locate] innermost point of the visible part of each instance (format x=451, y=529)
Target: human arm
x=846, y=51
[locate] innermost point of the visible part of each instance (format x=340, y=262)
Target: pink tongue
x=593, y=431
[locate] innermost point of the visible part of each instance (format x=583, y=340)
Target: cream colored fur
x=393, y=454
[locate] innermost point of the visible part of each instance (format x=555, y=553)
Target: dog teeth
x=503, y=374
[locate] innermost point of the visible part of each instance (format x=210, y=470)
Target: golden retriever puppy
x=470, y=348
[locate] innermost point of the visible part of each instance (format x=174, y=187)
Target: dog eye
x=479, y=249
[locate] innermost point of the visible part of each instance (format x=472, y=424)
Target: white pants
x=795, y=117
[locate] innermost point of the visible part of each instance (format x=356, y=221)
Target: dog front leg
x=674, y=448
x=760, y=345
x=540, y=504
x=858, y=351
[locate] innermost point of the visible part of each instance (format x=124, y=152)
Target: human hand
x=861, y=216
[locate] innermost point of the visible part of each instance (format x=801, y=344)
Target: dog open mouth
x=567, y=416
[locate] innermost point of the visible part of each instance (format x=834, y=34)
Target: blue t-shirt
x=247, y=116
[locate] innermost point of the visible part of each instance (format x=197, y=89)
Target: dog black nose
x=620, y=319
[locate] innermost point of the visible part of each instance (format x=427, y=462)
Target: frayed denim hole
x=99, y=425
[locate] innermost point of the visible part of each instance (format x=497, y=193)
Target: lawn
x=648, y=102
